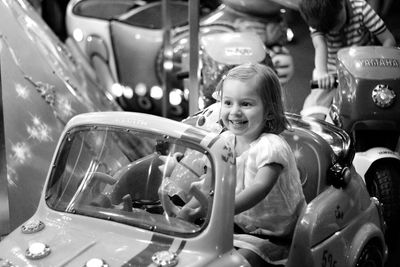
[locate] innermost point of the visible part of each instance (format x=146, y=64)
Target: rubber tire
x=383, y=183
x=370, y=256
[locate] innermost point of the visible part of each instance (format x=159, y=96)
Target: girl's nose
x=236, y=110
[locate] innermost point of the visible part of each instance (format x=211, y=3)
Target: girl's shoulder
x=270, y=142
x=270, y=148
x=272, y=138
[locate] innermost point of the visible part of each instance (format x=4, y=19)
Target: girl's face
x=242, y=110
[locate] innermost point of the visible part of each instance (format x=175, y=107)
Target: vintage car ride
x=116, y=178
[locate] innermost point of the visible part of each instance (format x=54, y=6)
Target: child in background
x=335, y=24
x=269, y=194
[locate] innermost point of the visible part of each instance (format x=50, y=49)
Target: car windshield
x=131, y=177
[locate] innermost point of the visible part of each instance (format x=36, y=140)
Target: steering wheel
x=93, y=194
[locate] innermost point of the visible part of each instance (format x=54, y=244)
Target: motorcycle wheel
x=371, y=256
x=383, y=182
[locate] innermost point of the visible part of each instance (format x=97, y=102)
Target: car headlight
x=383, y=96
x=37, y=250
x=96, y=262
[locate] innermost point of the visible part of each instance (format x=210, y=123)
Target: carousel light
x=117, y=89
x=78, y=35
x=289, y=35
x=186, y=93
x=168, y=65
x=156, y=92
x=141, y=89
x=175, y=97
x=201, y=103
x=128, y=92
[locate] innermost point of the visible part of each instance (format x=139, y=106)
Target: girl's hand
x=325, y=80
x=190, y=214
x=197, y=207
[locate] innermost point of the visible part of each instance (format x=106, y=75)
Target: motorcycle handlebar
x=314, y=84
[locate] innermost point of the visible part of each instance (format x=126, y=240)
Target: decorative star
x=39, y=130
x=22, y=91
x=21, y=152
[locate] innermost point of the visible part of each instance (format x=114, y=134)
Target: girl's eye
x=227, y=103
x=246, y=104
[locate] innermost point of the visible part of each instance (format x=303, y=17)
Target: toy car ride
x=117, y=179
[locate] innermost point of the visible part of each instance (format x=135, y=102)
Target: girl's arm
x=386, y=38
x=265, y=179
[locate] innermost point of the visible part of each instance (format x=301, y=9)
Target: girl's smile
x=240, y=124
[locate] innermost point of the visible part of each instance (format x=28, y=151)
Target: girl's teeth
x=238, y=122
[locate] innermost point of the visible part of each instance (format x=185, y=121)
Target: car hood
x=75, y=240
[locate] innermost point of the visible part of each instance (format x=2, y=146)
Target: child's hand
x=188, y=214
x=191, y=214
x=169, y=208
x=325, y=80
x=197, y=207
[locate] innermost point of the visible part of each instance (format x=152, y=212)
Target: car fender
x=363, y=160
x=367, y=232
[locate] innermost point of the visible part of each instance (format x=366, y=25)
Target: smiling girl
x=269, y=195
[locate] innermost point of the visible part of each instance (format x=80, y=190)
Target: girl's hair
x=321, y=15
x=268, y=88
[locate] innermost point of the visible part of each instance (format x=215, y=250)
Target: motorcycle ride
x=366, y=106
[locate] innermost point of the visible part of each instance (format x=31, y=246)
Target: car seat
x=313, y=158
